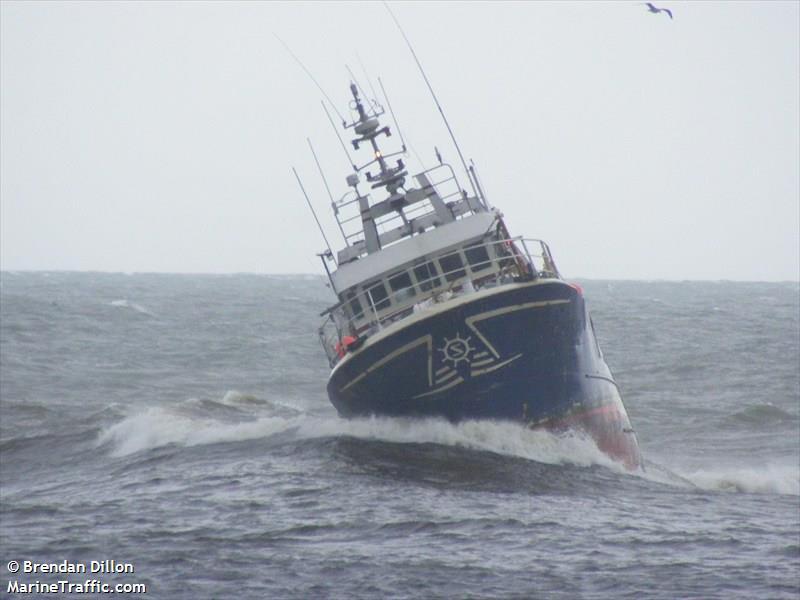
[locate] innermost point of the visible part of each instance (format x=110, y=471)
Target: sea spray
x=162, y=426
x=771, y=478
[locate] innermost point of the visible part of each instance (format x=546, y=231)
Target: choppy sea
x=179, y=424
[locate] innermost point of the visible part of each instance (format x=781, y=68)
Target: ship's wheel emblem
x=457, y=350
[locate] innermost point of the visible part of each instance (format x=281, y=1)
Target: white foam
x=158, y=427
x=502, y=438
x=162, y=426
x=234, y=398
x=770, y=478
x=131, y=305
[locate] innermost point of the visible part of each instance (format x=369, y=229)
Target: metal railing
x=363, y=314
x=351, y=225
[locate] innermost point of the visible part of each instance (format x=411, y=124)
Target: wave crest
x=184, y=425
x=768, y=479
x=131, y=305
x=766, y=414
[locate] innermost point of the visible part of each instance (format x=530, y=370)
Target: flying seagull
x=656, y=10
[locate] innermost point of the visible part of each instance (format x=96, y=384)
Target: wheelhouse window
x=477, y=256
x=452, y=266
x=353, y=305
x=377, y=292
x=426, y=276
x=401, y=286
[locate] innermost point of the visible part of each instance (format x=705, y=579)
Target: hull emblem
x=457, y=350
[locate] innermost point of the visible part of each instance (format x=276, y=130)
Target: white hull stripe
x=424, y=340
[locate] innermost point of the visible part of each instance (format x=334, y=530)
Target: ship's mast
x=402, y=213
x=368, y=129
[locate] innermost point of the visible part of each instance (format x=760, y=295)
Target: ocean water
x=179, y=424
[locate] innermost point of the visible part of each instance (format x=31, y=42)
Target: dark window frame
x=454, y=271
x=353, y=304
x=431, y=274
x=484, y=262
x=394, y=277
x=380, y=301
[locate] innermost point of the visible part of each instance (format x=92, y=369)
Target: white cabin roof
x=419, y=246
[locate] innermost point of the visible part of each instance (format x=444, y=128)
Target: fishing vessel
x=442, y=312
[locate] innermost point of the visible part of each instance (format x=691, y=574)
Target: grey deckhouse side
x=429, y=244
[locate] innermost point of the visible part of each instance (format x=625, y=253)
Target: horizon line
x=322, y=276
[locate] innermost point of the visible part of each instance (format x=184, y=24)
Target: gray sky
x=160, y=137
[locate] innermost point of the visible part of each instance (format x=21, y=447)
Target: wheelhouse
x=421, y=245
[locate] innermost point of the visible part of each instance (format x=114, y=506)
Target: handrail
x=511, y=261
x=468, y=266
x=357, y=231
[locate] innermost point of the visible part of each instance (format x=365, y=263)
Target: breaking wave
x=183, y=425
x=131, y=305
x=770, y=479
x=241, y=417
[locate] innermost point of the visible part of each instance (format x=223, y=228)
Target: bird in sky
x=656, y=10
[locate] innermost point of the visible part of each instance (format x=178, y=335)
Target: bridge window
x=451, y=266
x=477, y=256
x=426, y=276
x=353, y=304
x=377, y=292
x=402, y=286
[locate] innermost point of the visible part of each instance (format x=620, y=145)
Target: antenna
x=435, y=99
x=369, y=81
x=319, y=87
x=363, y=93
x=474, y=172
x=336, y=131
x=325, y=181
x=302, y=189
x=396, y=124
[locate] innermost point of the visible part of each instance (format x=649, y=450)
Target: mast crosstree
x=407, y=210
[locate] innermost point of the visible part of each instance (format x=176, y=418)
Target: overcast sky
x=160, y=137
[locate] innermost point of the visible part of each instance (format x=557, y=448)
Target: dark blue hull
x=524, y=352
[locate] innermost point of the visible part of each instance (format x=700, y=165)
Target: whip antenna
x=316, y=83
x=433, y=94
x=366, y=75
x=313, y=212
x=336, y=131
x=363, y=93
x=397, y=126
x=325, y=181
